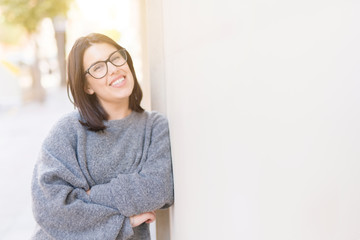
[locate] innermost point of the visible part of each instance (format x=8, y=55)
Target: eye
x=98, y=67
x=116, y=57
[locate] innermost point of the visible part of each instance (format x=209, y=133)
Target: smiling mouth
x=117, y=82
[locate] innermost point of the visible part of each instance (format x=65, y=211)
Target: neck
x=119, y=114
x=117, y=110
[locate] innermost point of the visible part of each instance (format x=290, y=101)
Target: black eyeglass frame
x=122, y=50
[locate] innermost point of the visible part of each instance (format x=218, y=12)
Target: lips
x=118, y=82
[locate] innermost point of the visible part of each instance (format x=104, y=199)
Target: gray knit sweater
x=127, y=167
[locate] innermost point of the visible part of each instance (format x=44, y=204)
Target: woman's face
x=117, y=85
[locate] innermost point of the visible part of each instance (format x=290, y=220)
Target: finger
x=150, y=220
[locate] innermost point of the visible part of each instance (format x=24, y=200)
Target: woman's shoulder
x=66, y=124
x=63, y=132
x=154, y=116
x=68, y=120
x=156, y=119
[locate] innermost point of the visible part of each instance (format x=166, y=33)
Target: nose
x=111, y=68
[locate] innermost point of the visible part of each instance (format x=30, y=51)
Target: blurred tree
x=29, y=14
x=12, y=32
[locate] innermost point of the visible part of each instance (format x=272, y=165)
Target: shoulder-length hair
x=91, y=111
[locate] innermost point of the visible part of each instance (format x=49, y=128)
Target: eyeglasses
x=100, y=68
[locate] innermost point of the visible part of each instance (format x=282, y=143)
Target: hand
x=147, y=217
x=88, y=192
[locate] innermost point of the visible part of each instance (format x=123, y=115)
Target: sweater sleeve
x=61, y=206
x=148, y=189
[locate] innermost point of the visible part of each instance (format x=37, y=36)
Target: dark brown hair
x=91, y=111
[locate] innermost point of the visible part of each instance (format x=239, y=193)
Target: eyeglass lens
x=100, y=69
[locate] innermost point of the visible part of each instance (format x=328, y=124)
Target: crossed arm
x=66, y=207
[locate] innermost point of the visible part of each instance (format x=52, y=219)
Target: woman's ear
x=88, y=89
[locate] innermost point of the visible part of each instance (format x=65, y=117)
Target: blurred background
x=35, y=38
x=37, y=35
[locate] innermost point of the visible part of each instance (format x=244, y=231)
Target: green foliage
x=13, y=33
x=29, y=13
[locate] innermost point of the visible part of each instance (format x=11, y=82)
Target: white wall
x=263, y=99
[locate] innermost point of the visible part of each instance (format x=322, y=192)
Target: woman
x=106, y=167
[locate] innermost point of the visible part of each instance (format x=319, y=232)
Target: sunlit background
x=33, y=94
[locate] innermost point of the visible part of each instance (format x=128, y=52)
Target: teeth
x=118, y=81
